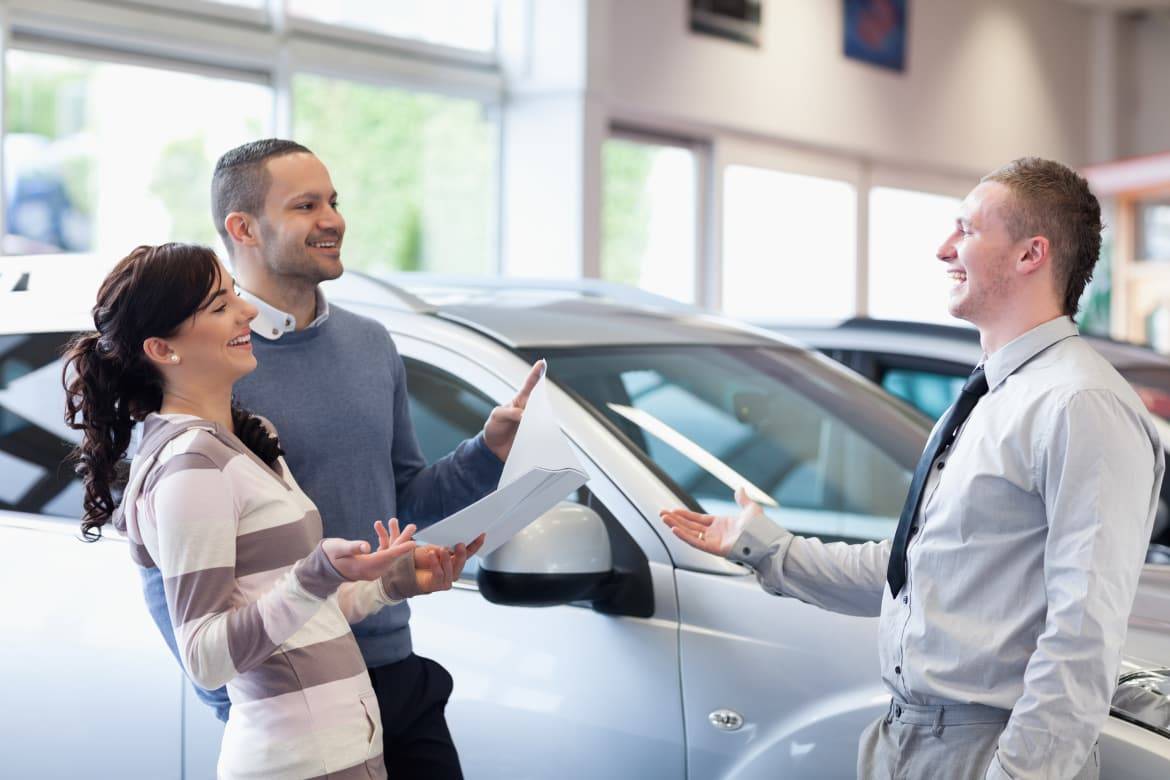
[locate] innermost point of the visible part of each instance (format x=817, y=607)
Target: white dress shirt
x=272, y=323
x=1033, y=530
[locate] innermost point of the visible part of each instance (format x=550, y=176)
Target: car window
x=445, y=410
x=929, y=392
x=832, y=454
x=34, y=441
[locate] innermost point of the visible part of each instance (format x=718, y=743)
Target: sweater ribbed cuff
x=317, y=574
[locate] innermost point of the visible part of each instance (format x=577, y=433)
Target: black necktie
x=972, y=391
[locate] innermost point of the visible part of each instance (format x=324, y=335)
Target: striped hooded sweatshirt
x=256, y=603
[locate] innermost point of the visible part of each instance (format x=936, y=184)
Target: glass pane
x=415, y=173
x=103, y=157
x=826, y=447
x=930, y=393
x=33, y=438
x=648, y=223
x=906, y=228
x=464, y=24
x=789, y=245
x=1153, y=221
x=445, y=410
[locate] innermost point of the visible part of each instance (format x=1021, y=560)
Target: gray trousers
x=956, y=742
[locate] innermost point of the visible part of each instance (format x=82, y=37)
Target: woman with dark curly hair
x=258, y=599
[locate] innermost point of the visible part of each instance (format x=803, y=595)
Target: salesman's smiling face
x=301, y=228
x=980, y=254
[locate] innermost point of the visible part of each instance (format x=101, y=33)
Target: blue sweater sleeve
x=156, y=603
x=427, y=494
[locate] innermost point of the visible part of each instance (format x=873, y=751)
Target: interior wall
x=1144, y=114
x=985, y=81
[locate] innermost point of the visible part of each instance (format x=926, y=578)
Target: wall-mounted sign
x=875, y=32
x=736, y=20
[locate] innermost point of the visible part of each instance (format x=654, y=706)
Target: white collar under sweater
x=272, y=323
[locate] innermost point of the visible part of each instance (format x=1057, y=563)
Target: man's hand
x=500, y=430
x=711, y=533
x=437, y=568
x=354, y=561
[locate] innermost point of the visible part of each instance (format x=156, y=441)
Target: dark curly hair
x=110, y=385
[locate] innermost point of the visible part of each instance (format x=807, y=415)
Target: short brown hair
x=1054, y=201
x=241, y=181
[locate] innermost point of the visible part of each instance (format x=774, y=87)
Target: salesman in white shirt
x=1005, y=592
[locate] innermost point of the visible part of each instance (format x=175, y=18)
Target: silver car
x=593, y=645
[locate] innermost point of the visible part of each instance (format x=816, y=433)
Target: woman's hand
x=436, y=568
x=711, y=533
x=354, y=561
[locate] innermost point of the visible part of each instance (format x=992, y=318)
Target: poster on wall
x=875, y=32
x=735, y=20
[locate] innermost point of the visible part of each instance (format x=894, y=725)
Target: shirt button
x=898, y=671
x=940, y=465
x=275, y=332
x=747, y=551
x=905, y=599
x=287, y=322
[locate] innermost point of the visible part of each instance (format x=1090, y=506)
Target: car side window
x=445, y=410
x=34, y=442
x=930, y=392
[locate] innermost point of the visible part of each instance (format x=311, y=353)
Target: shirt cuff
x=760, y=539
x=317, y=574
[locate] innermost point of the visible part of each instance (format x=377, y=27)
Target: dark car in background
x=926, y=364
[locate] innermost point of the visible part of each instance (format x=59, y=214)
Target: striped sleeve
x=359, y=600
x=196, y=517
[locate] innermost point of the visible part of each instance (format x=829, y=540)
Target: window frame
x=263, y=46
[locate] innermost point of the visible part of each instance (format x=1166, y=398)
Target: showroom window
x=789, y=245
x=649, y=217
x=460, y=24
x=102, y=156
x=906, y=280
x=415, y=173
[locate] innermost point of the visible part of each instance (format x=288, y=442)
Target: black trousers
x=412, y=696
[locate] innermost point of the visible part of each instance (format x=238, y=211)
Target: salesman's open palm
x=711, y=533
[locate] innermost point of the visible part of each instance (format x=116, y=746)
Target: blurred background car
x=926, y=364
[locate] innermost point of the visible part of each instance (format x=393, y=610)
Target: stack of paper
x=541, y=470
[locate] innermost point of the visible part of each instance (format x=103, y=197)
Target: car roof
x=951, y=343
x=55, y=293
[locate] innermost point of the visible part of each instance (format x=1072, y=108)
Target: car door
x=563, y=690
x=88, y=684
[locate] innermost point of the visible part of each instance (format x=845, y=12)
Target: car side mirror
x=563, y=556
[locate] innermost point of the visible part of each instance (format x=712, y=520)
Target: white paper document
x=541, y=470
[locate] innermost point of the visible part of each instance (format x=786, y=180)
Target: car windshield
x=826, y=452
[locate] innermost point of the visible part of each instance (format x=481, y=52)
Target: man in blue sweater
x=334, y=386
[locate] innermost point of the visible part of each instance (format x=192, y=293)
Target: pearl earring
x=174, y=358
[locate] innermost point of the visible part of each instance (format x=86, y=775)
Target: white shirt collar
x=272, y=323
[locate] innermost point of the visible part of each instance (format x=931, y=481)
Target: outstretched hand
x=436, y=568
x=500, y=429
x=712, y=533
x=354, y=561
